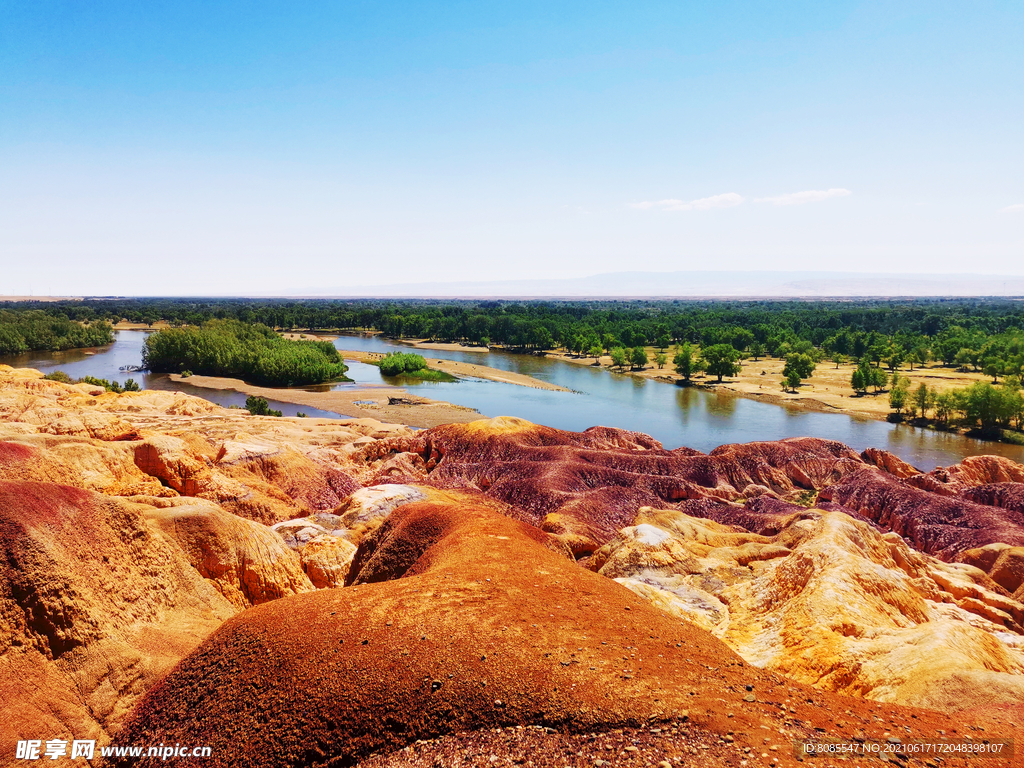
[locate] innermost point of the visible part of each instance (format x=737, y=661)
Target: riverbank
x=451, y=367
x=389, y=404
x=463, y=369
x=125, y=325
x=827, y=390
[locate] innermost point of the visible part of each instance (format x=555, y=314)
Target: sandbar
x=390, y=404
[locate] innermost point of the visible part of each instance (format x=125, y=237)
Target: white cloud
x=1011, y=208
x=808, y=196
x=727, y=200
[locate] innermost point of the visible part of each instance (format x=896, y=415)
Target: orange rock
x=832, y=602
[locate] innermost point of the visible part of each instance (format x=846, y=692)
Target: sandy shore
x=309, y=336
x=443, y=347
x=827, y=390
x=448, y=366
x=124, y=325
x=390, y=404
x=464, y=369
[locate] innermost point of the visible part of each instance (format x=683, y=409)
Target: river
x=676, y=416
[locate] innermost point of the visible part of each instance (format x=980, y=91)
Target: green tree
x=894, y=356
x=878, y=379
x=859, y=382
x=661, y=358
x=945, y=405
x=993, y=368
x=683, y=362
x=792, y=380
x=983, y=404
x=919, y=355
x=258, y=406
x=967, y=358
x=1013, y=400
x=721, y=360
x=876, y=353
x=924, y=399
x=756, y=350
x=595, y=351
x=899, y=393
x=251, y=352
x=619, y=359
x=637, y=357
x=800, y=363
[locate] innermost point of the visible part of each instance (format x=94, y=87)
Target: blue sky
x=228, y=148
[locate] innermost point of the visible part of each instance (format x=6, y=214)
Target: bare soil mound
x=482, y=625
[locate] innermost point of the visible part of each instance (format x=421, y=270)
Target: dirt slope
x=495, y=629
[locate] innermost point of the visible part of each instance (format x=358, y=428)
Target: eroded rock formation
x=480, y=643
x=832, y=602
x=133, y=526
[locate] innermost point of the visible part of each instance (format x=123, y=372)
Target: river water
x=676, y=416
x=106, y=362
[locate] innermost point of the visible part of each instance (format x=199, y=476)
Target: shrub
x=258, y=406
x=408, y=364
x=397, y=363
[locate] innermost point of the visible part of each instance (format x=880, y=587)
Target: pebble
x=750, y=697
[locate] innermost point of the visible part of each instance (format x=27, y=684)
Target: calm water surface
x=673, y=415
x=106, y=362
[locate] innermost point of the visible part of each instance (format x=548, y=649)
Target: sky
x=252, y=148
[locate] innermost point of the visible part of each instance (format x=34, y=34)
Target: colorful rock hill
x=345, y=592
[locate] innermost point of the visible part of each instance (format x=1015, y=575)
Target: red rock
x=937, y=524
x=585, y=486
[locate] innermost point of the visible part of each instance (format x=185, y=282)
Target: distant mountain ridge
x=707, y=284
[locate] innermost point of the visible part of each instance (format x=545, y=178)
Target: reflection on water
x=106, y=362
x=676, y=416
x=722, y=405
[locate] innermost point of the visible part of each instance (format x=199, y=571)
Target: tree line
x=852, y=328
x=980, y=404
x=32, y=330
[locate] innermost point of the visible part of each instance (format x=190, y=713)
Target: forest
x=853, y=325
x=36, y=329
x=254, y=353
